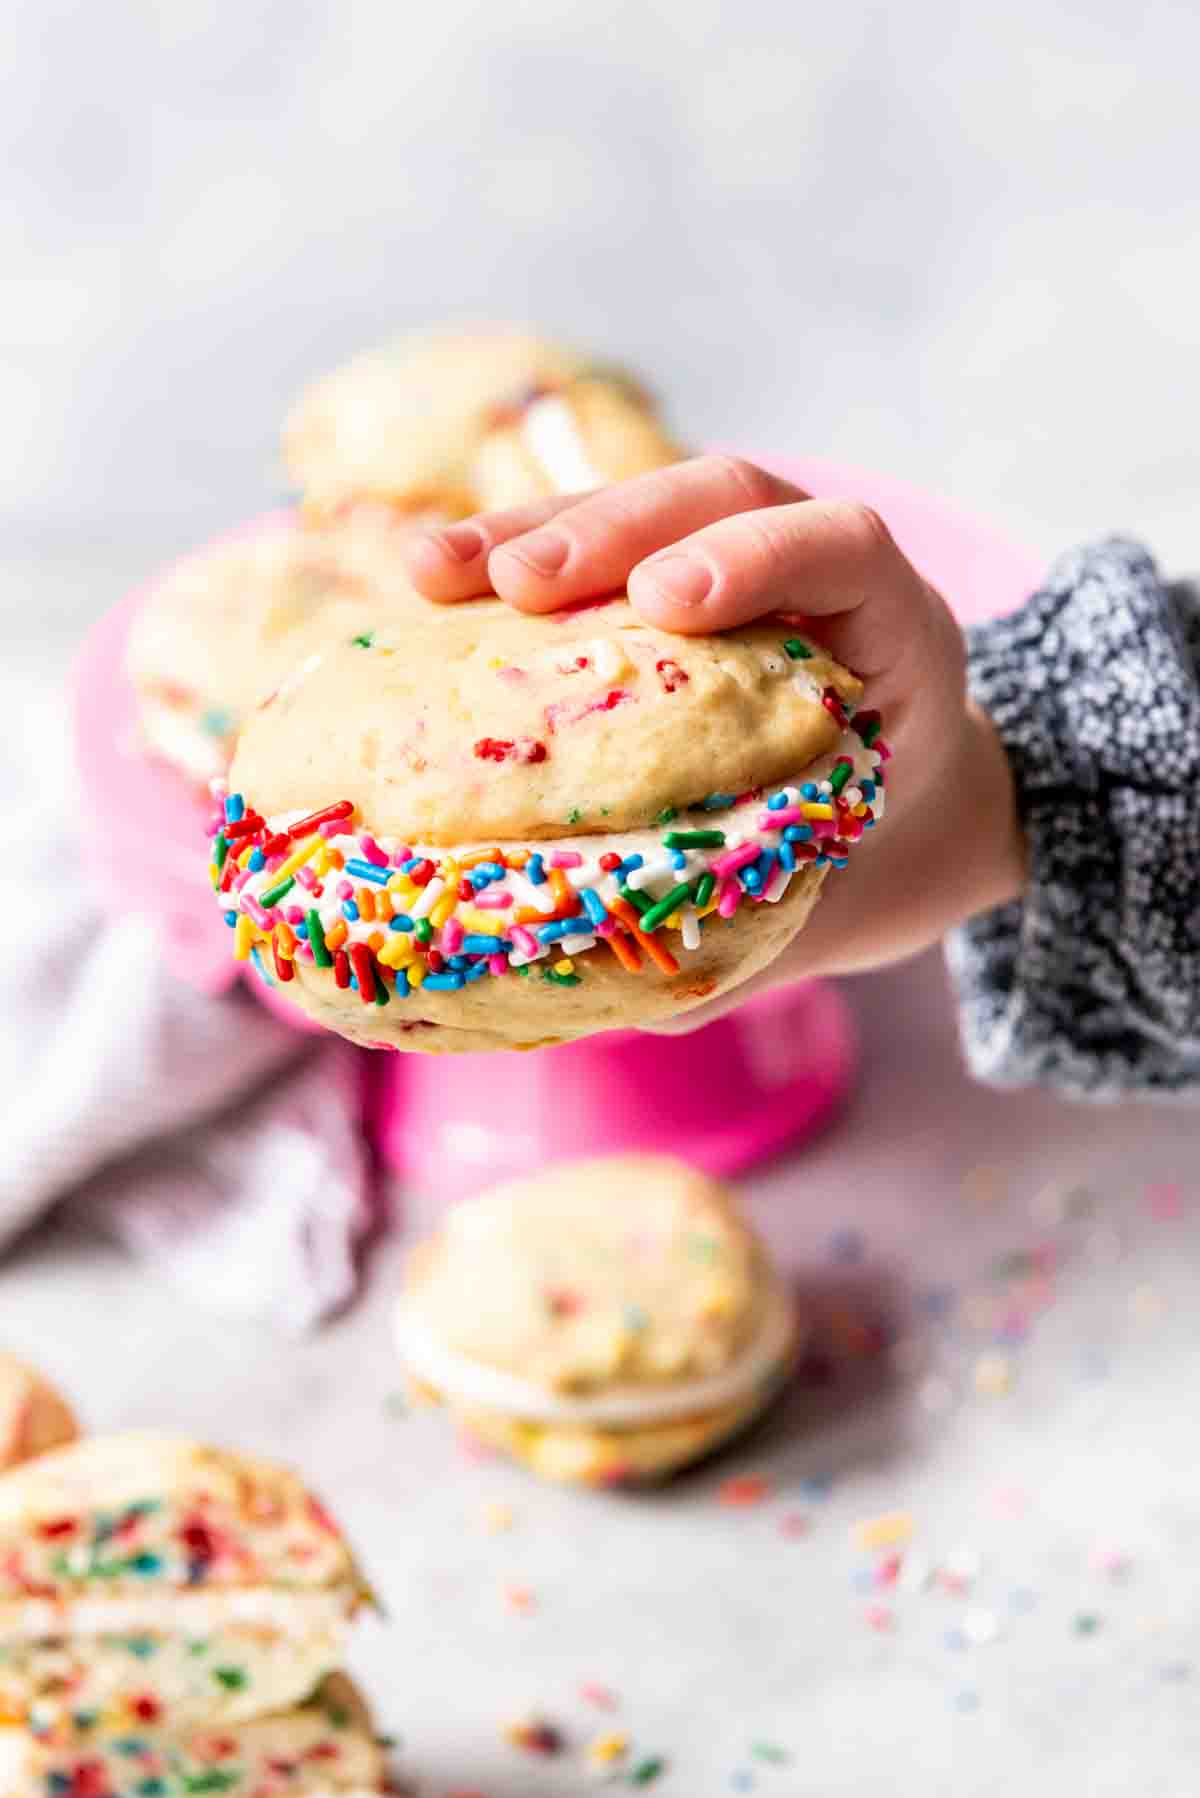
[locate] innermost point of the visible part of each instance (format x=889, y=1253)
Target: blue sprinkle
x=485, y=945
x=798, y=833
x=776, y=802
x=718, y=802
x=868, y=823
x=966, y=1700
x=477, y=972
x=235, y=808
x=787, y=857
x=402, y=987
x=479, y=879
x=593, y=905
x=301, y=930
x=817, y=1485
x=955, y=1639
x=493, y=870
x=443, y=983
x=401, y=921
x=260, y=966
x=808, y=790
x=867, y=789
x=414, y=861
x=535, y=870
x=231, y=918
x=551, y=933
x=368, y=871
x=257, y=862
x=630, y=863
x=678, y=858
x=460, y=963
x=350, y=910
x=751, y=879
x=765, y=864
x=822, y=861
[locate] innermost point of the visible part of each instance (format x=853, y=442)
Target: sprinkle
x=625, y=952
x=364, y=640
x=365, y=870
x=798, y=651
x=497, y=1517
x=694, y=839
x=1086, y=1623
x=593, y=905
x=535, y=870
x=879, y=1617
x=443, y=983
x=771, y=1752
x=343, y=809
x=892, y=1529
x=647, y=1771
x=718, y=802
x=276, y=893
x=657, y=913
x=603, y=1750
x=602, y=1697
x=243, y=938
x=235, y=807
x=794, y=1524
x=703, y=890
x=993, y=1376
x=566, y=858
x=521, y=1600
x=478, y=944
x=841, y=774
x=283, y=967
x=742, y=1490
x=535, y=1736
x=362, y=963
x=729, y=863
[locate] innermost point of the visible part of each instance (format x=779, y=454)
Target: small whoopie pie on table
x=601, y=1322
x=499, y=830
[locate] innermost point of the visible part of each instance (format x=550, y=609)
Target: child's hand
x=710, y=544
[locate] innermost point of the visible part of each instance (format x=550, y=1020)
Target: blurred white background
x=959, y=247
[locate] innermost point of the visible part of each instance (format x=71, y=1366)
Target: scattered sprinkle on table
x=1086, y=1623
x=993, y=1376
x=744, y=1489
x=521, y=1600
x=770, y=1752
x=647, y=1771
x=605, y=1750
x=533, y=1735
x=794, y=1524
x=892, y=1529
x=497, y=1517
x=603, y=1698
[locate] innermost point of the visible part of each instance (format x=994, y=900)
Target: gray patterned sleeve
x=1091, y=982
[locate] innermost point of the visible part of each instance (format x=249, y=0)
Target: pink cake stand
x=742, y=1088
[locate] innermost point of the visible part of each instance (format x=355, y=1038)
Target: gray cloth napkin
x=203, y=1134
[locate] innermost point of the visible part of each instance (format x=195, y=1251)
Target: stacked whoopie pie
x=173, y=1621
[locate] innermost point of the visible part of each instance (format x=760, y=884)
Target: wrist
x=995, y=841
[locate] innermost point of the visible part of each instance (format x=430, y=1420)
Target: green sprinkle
x=276, y=893
x=422, y=930
x=703, y=890
x=869, y=731
x=770, y=1752
x=663, y=908
x=798, y=651
x=145, y=1564
x=85, y=1720
x=216, y=1779
x=337, y=1716
x=638, y=900
x=668, y=815
x=694, y=839
x=1086, y=1623
x=154, y=1787
x=646, y=1772
x=574, y=815
x=234, y=1679
x=316, y=940
x=525, y=969
x=841, y=775
x=560, y=979
x=220, y=850
x=141, y=1647
x=218, y=722
x=364, y=640
x=382, y=995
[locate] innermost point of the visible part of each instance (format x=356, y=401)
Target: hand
x=710, y=544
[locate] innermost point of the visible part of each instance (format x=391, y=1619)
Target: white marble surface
x=714, y=1628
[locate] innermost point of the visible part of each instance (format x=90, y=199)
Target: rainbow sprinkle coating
x=389, y=918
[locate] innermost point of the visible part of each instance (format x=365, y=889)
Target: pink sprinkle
x=372, y=851
x=608, y=928
x=790, y=814
x=401, y=855
x=794, y=1525
x=239, y=880
x=306, y=877
x=214, y=825
x=304, y=952
x=294, y=914
x=888, y=1570
x=823, y=827
x=254, y=910
x=566, y=858
x=498, y=964
x=729, y=898
x=332, y=827
x=451, y=938
x=493, y=900
x=344, y=890
x=1164, y=1200
x=524, y=939
x=883, y=750
x=879, y=1617
x=272, y=862
x=734, y=859
x=600, y=1696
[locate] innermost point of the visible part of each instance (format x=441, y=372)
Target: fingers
x=833, y=562
x=451, y=563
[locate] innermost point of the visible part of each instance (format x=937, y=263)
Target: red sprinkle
x=670, y=674
x=283, y=967
x=422, y=874
x=341, y=968
x=305, y=826
x=58, y=1528
x=744, y=1489
x=364, y=967
x=244, y=827
x=609, y=862
x=501, y=749
x=831, y=700
x=437, y=961
x=465, y=890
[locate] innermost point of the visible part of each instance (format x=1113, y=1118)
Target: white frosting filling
x=467, y=1382
x=161, y=1613
x=552, y=437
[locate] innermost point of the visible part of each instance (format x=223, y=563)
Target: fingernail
x=462, y=541
x=543, y=551
x=681, y=578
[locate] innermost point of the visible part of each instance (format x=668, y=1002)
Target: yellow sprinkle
x=243, y=938
x=816, y=809
x=396, y=951
x=497, y=1517
x=565, y=966
x=602, y=1751
x=417, y=973
x=443, y=909
x=860, y=810
x=244, y=858
x=322, y=864
x=298, y=857
x=674, y=921
x=214, y=874
x=891, y=1530
x=400, y=883
x=993, y=1376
